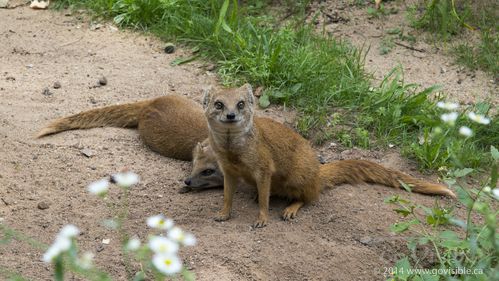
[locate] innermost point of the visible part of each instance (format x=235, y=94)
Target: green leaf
x=462, y=172
x=405, y=186
x=188, y=275
x=494, y=175
x=226, y=27
x=428, y=277
x=403, y=269
x=264, y=101
x=403, y=226
x=221, y=17
x=494, y=152
x=403, y=212
x=182, y=60
x=449, y=239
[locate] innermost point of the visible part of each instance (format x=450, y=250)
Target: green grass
x=485, y=56
x=320, y=76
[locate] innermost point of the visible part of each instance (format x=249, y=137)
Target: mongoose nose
x=231, y=116
x=187, y=182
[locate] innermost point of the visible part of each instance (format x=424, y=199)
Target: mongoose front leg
x=291, y=211
x=230, y=183
x=263, y=187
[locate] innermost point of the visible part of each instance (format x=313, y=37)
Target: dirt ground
x=343, y=236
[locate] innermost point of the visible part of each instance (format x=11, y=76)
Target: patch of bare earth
x=427, y=62
x=342, y=236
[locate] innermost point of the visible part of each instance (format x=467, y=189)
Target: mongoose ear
x=206, y=96
x=197, y=149
x=249, y=93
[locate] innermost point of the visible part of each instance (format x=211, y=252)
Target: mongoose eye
x=219, y=105
x=240, y=105
x=207, y=172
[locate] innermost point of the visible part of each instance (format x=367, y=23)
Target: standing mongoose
x=277, y=160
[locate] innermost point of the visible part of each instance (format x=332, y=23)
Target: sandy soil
x=429, y=64
x=343, y=236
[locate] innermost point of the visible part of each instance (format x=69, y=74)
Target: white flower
x=99, y=187
x=478, y=118
x=60, y=245
x=187, y=239
x=69, y=231
x=86, y=260
x=162, y=245
x=449, y=118
x=465, y=131
x=159, y=221
x=447, y=105
x=126, y=179
x=487, y=189
x=167, y=264
x=132, y=244
x=495, y=193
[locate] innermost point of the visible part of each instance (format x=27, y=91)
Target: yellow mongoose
x=277, y=160
x=174, y=126
x=170, y=125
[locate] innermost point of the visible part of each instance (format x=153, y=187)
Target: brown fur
x=169, y=125
x=174, y=126
x=276, y=159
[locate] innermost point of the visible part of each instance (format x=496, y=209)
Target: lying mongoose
x=279, y=161
x=170, y=125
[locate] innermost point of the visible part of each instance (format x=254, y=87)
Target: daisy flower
x=478, y=118
x=162, y=245
x=167, y=264
x=160, y=222
x=126, y=179
x=449, y=118
x=447, y=105
x=178, y=235
x=465, y=131
x=99, y=187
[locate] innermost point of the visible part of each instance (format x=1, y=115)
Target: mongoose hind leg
x=291, y=211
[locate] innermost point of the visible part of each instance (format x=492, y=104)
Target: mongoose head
x=229, y=111
x=205, y=171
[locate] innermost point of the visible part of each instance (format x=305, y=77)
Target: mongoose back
x=170, y=125
x=274, y=158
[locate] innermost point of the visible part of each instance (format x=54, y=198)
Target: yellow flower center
x=168, y=262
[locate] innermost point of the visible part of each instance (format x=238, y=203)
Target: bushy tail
x=359, y=171
x=124, y=116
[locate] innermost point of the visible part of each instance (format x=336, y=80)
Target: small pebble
x=103, y=81
x=57, y=85
x=46, y=92
x=169, y=48
x=43, y=205
x=87, y=152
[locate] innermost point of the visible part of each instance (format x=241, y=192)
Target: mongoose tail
x=123, y=116
x=359, y=171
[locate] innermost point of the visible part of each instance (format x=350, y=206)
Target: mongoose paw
x=289, y=213
x=185, y=189
x=260, y=222
x=222, y=216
